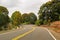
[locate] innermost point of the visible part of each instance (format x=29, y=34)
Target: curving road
x=39, y=33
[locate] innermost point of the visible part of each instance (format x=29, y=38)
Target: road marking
x=11, y=31
x=51, y=34
x=20, y=36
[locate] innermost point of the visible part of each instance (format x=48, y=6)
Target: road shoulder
x=8, y=31
x=55, y=34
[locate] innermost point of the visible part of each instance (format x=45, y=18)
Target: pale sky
x=24, y=6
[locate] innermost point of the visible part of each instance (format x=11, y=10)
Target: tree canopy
x=50, y=11
x=4, y=18
x=33, y=18
x=4, y=10
x=25, y=17
x=16, y=18
x=30, y=18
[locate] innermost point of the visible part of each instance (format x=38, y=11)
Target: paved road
x=38, y=34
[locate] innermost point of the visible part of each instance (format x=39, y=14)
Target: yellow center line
x=22, y=35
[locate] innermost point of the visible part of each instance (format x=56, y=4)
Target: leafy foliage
x=4, y=18
x=16, y=18
x=29, y=18
x=33, y=18
x=25, y=17
x=37, y=23
x=3, y=10
x=50, y=11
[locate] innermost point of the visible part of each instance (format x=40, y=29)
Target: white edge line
x=51, y=34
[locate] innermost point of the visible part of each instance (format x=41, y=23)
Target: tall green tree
x=4, y=18
x=25, y=17
x=16, y=18
x=4, y=10
x=50, y=11
x=33, y=18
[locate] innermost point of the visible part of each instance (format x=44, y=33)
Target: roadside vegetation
x=48, y=13
x=17, y=19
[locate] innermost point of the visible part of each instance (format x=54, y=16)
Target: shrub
x=45, y=21
x=37, y=22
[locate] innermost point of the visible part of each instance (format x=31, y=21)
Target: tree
x=37, y=22
x=3, y=10
x=4, y=18
x=33, y=18
x=50, y=11
x=16, y=18
x=25, y=17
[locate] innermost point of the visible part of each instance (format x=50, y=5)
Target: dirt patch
x=56, y=26
x=54, y=32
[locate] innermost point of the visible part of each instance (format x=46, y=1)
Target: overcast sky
x=24, y=6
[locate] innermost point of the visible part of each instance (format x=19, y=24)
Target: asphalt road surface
x=38, y=34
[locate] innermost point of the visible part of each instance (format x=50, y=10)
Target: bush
x=37, y=22
x=26, y=23
x=45, y=21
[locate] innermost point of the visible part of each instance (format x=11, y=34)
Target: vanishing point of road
x=28, y=32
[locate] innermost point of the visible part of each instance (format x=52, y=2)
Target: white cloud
x=22, y=5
